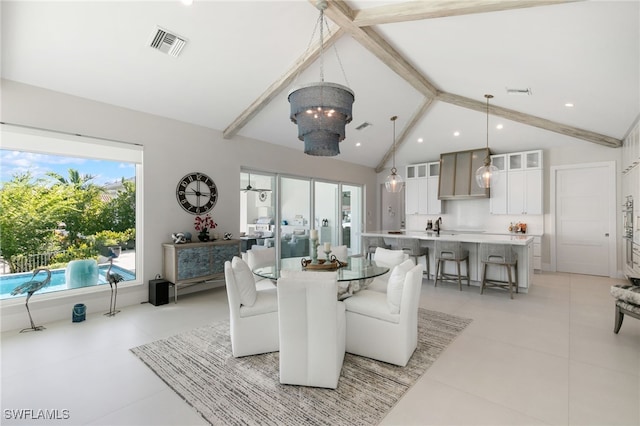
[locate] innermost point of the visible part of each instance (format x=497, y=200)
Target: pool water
x=11, y=281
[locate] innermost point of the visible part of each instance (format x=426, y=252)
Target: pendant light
x=487, y=175
x=394, y=182
x=322, y=109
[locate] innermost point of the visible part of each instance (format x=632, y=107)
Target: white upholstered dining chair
x=312, y=329
x=253, y=313
x=385, y=326
x=257, y=258
x=340, y=252
x=390, y=259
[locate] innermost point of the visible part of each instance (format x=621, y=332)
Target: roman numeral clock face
x=197, y=193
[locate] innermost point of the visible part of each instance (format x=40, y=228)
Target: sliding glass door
x=327, y=212
x=295, y=216
x=280, y=211
x=351, y=213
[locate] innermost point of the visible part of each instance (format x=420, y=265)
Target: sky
x=18, y=162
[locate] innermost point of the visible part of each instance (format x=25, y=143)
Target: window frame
x=41, y=141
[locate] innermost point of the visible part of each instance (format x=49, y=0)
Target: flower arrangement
x=203, y=224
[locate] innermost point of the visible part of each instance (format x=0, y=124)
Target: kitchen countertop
x=462, y=236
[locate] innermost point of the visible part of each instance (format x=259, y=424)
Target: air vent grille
x=526, y=91
x=166, y=42
x=363, y=126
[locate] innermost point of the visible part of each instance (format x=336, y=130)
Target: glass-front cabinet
x=525, y=160
x=421, y=189
x=518, y=190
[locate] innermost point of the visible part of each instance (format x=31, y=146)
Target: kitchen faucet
x=437, y=225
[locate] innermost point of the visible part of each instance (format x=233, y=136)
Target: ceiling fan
x=252, y=189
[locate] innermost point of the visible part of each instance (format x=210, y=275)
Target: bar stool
x=371, y=243
x=450, y=251
x=412, y=247
x=501, y=255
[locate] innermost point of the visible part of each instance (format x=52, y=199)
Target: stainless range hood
x=458, y=175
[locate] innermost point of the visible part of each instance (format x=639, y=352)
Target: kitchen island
x=522, y=244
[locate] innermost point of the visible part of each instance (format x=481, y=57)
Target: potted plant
x=203, y=224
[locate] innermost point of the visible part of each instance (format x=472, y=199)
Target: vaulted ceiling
x=428, y=62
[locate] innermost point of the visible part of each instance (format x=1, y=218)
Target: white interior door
x=585, y=200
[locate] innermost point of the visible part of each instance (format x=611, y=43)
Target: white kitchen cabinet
x=524, y=160
x=537, y=253
x=524, y=192
x=498, y=192
x=421, y=189
x=434, y=205
x=412, y=196
x=519, y=189
x=423, y=198
x=631, y=150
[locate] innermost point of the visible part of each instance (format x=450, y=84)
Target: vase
x=203, y=237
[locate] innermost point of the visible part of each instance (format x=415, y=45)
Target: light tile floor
x=549, y=357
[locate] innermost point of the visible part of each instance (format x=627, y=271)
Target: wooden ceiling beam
x=341, y=14
x=402, y=137
x=417, y=10
x=531, y=120
x=302, y=63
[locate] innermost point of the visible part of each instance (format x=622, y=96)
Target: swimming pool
x=11, y=281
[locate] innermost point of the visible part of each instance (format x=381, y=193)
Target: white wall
x=171, y=150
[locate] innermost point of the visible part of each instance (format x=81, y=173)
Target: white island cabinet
x=522, y=244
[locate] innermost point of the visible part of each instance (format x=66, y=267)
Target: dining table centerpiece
x=203, y=224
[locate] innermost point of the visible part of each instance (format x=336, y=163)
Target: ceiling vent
x=166, y=42
x=363, y=126
x=526, y=91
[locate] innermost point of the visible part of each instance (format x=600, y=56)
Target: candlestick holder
x=327, y=253
x=314, y=250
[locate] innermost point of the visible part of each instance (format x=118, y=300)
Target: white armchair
x=312, y=329
x=385, y=326
x=390, y=259
x=253, y=314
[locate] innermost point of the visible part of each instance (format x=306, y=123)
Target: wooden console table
x=197, y=262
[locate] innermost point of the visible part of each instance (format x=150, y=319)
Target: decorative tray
x=322, y=264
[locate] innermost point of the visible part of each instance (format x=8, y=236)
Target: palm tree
x=75, y=179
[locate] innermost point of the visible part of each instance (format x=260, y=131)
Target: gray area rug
x=224, y=390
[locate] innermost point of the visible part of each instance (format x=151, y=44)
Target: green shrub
x=79, y=251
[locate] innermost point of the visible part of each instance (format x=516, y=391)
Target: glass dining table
x=351, y=278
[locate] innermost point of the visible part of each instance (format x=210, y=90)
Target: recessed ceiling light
x=420, y=140
x=187, y=2
x=456, y=133
x=499, y=126
x=358, y=144
x=569, y=105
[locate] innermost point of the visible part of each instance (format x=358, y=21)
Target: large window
x=68, y=206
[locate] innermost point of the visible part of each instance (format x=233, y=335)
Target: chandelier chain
x=335, y=50
x=487, y=160
x=393, y=119
x=322, y=21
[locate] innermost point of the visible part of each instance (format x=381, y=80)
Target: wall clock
x=197, y=193
x=262, y=196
